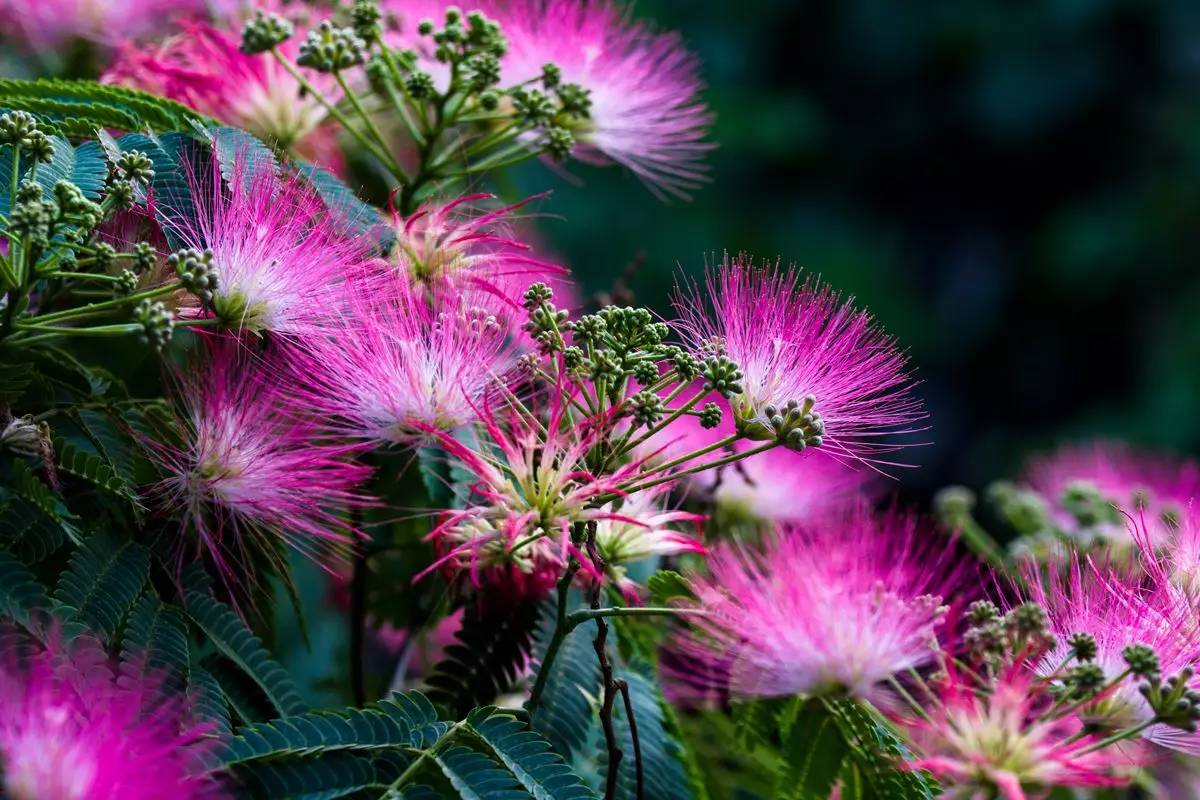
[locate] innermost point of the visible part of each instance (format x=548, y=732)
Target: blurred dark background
x=1011, y=187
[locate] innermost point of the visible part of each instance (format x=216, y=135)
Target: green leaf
x=876, y=750
x=355, y=217
x=91, y=468
x=241, y=154
x=566, y=707
x=242, y=696
x=28, y=532
x=29, y=487
x=490, y=650
x=326, y=776
x=229, y=634
x=85, y=166
x=155, y=644
x=102, y=581
x=14, y=377
x=22, y=598
x=528, y=756
x=176, y=158
x=207, y=700
x=813, y=751
x=667, y=585
x=662, y=763
x=476, y=777
x=79, y=107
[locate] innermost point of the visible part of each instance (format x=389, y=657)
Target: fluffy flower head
x=814, y=369
x=642, y=109
x=204, y=68
x=1000, y=743
x=396, y=370
x=44, y=25
x=252, y=463
x=840, y=604
x=69, y=730
x=279, y=261
x=1088, y=483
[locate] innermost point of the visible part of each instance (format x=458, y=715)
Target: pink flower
x=395, y=370
x=253, y=465
x=204, y=68
x=641, y=528
x=1118, y=610
x=644, y=112
x=280, y=264
x=531, y=484
x=841, y=604
x=1003, y=741
x=1154, y=487
x=814, y=369
x=463, y=246
x=70, y=730
x=779, y=485
x=44, y=25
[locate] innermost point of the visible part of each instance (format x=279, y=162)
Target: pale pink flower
x=253, y=465
x=642, y=528
x=531, y=483
x=463, y=245
x=799, y=343
x=204, y=68
x=1000, y=741
x=45, y=25
x=281, y=264
x=645, y=113
x=70, y=730
x=1117, y=610
x=838, y=605
x=395, y=368
x=1151, y=486
x=780, y=485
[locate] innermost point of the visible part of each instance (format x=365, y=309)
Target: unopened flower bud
x=157, y=323
x=265, y=32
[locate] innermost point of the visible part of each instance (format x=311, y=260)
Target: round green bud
x=264, y=32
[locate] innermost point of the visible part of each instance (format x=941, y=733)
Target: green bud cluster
x=1083, y=680
x=265, y=32
x=710, y=416
x=19, y=129
x=545, y=321
x=127, y=282
x=1026, y=511
x=1174, y=702
x=329, y=49
x=364, y=19
x=136, y=166
x=796, y=425
x=144, y=257
x=1083, y=646
x=196, y=272
x=721, y=375
x=994, y=639
x=953, y=504
x=645, y=372
x=104, y=255
x=157, y=323
x=648, y=408
x=1088, y=505
x=71, y=201
x=34, y=219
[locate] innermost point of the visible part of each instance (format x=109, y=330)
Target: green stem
x=392, y=163
x=84, y=276
x=560, y=633
x=420, y=760
x=720, y=462
x=1119, y=736
x=82, y=312
x=58, y=333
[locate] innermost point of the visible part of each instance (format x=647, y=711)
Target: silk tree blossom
x=1089, y=484
x=1117, y=610
x=643, y=109
x=254, y=465
x=398, y=369
x=778, y=485
x=838, y=605
x=204, y=68
x=642, y=528
x=531, y=484
x=71, y=730
x=44, y=25
x=814, y=369
x=999, y=741
x=280, y=263
x=465, y=246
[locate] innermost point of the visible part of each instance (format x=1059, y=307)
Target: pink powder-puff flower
x=71, y=730
x=643, y=109
x=204, y=68
x=778, y=485
x=814, y=369
x=462, y=245
x=642, y=528
x=1118, y=610
x=531, y=485
x=1101, y=477
x=839, y=605
x=396, y=368
x=46, y=25
x=254, y=464
x=279, y=261
x=1003, y=741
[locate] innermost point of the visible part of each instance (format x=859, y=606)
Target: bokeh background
x=1013, y=188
